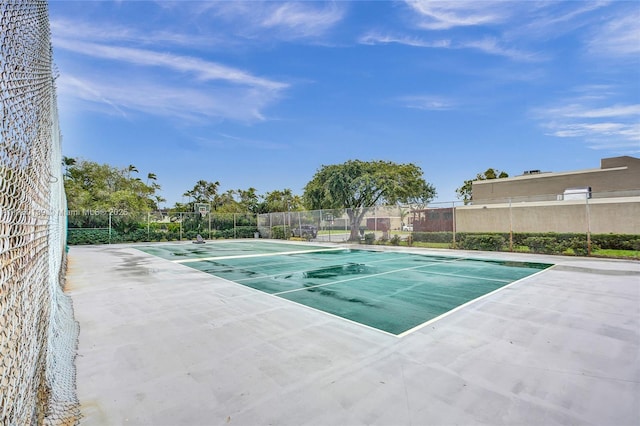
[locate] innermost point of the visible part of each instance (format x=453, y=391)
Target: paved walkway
x=163, y=344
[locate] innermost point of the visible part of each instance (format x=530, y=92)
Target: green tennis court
x=395, y=292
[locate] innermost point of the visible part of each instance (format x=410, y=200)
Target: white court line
x=353, y=260
x=245, y=256
x=473, y=277
x=464, y=305
x=363, y=277
x=256, y=291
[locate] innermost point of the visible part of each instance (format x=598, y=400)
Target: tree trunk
x=355, y=217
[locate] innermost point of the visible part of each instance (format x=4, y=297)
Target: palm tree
x=151, y=176
x=131, y=169
x=158, y=199
x=67, y=162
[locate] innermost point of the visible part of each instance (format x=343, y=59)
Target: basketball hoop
x=202, y=208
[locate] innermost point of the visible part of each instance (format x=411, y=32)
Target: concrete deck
x=163, y=344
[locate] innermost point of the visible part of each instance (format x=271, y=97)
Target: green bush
x=616, y=241
x=240, y=232
x=191, y=235
x=246, y=231
x=546, y=245
x=225, y=234
x=76, y=236
x=580, y=247
x=126, y=230
x=432, y=237
x=279, y=232
x=490, y=242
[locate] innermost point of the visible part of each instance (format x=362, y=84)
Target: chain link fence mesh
x=38, y=334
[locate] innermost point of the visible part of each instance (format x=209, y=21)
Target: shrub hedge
x=548, y=243
x=78, y=236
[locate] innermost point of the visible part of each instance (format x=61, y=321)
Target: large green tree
x=357, y=185
x=465, y=191
x=91, y=187
x=203, y=192
x=231, y=201
x=249, y=200
x=281, y=201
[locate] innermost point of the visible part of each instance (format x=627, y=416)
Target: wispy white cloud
x=487, y=45
x=548, y=20
x=280, y=20
x=513, y=29
x=194, y=104
x=427, y=102
x=302, y=19
x=579, y=111
x=373, y=38
x=185, y=87
x=493, y=46
x=67, y=29
x=617, y=37
x=73, y=87
x=600, y=126
x=442, y=15
x=203, y=70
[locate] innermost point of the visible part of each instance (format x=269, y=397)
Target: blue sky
x=262, y=94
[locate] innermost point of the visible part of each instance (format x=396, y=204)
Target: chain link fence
x=339, y=225
x=118, y=226
x=38, y=335
x=540, y=224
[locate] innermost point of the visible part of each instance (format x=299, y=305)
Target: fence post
x=453, y=213
x=510, y=226
x=181, y=219
x=375, y=221
x=588, y=225
x=284, y=226
x=109, y=227
x=346, y=229
x=234, y=226
x=148, y=225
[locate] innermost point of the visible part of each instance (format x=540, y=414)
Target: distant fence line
x=593, y=214
x=116, y=226
x=582, y=215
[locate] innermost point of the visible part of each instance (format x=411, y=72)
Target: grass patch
x=618, y=254
x=427, y=245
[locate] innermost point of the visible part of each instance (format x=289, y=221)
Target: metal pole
x=345, y=222
x=588, y=226
x=453, y=213
x=510, y=226
x=181, y=217
x=109, y=227
x=148, y=225
x=375, y=221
